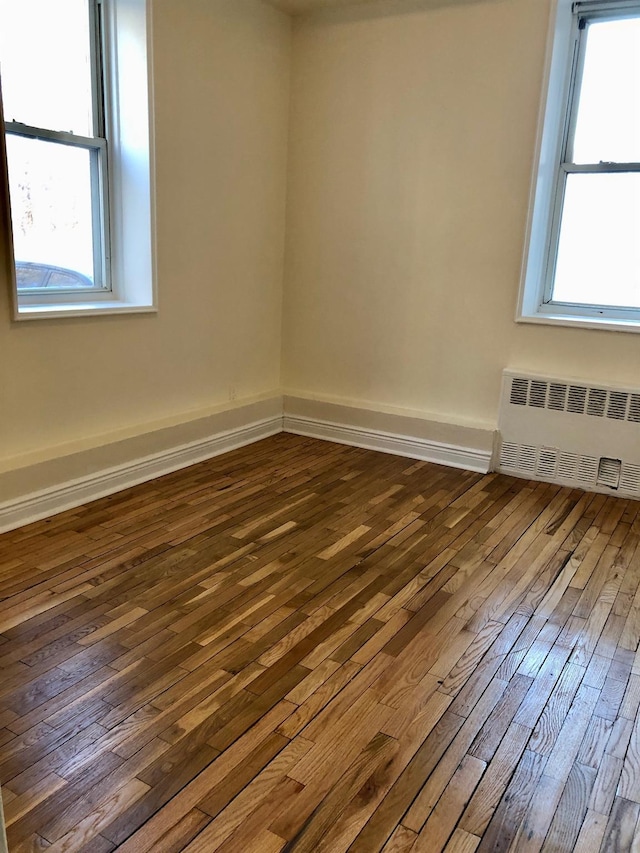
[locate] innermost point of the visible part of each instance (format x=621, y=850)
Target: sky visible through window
x=599, y=255
x=46, y=83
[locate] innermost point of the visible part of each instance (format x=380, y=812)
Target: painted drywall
x=221, y=84
x=412, y=142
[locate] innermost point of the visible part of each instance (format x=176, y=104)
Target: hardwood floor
x=302, y=646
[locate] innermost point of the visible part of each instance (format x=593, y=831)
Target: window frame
x=122, y=76
x=97, y=146
x=557, y=125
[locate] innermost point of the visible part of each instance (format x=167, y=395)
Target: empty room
x=320, y=426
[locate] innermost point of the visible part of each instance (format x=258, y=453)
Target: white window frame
x=562, y=81
x=127, y=187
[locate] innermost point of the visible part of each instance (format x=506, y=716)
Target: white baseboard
x=74, y=493
x=46, y=488
x=469, y=458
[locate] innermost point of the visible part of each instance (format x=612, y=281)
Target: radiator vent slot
x=557, y=397
x=587, y=470
x=538, y=394
x=617, y=407
x=568, y=466
x=547, y=462
x=527, y=458
x=509, y=455
x=519, y=392
x=597, y=402
x=576, y=399
x=630, y=479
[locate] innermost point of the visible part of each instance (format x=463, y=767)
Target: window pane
x=51, y=209
x=608, y=125
x=46, y=64
x=599, y=252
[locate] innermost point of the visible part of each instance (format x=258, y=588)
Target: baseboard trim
x=468, y=458
x=48, y=502
x=49, y=488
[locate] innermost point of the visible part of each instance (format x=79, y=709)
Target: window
x=78, y=155
x=56, y=145
x=583, y=256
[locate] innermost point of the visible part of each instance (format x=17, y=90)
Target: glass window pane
x=599, y=252
x=51, y=209
x=46, y=64
x=608, y=121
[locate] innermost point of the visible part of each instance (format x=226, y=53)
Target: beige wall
x=221, y=98
x=411, y=138
x=412, y=141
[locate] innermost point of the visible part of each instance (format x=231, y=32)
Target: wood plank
x=572, y=807
x=442, y=821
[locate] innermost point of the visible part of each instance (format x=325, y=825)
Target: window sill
x=81, y=309
x=610, y=324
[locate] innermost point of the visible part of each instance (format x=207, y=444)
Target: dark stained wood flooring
x=307, y=647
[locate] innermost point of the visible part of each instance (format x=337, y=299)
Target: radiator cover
x=570, y=432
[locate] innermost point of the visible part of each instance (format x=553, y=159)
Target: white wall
x=412, y=141
x=221, y=102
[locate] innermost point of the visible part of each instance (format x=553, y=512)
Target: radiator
x=570, y=432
